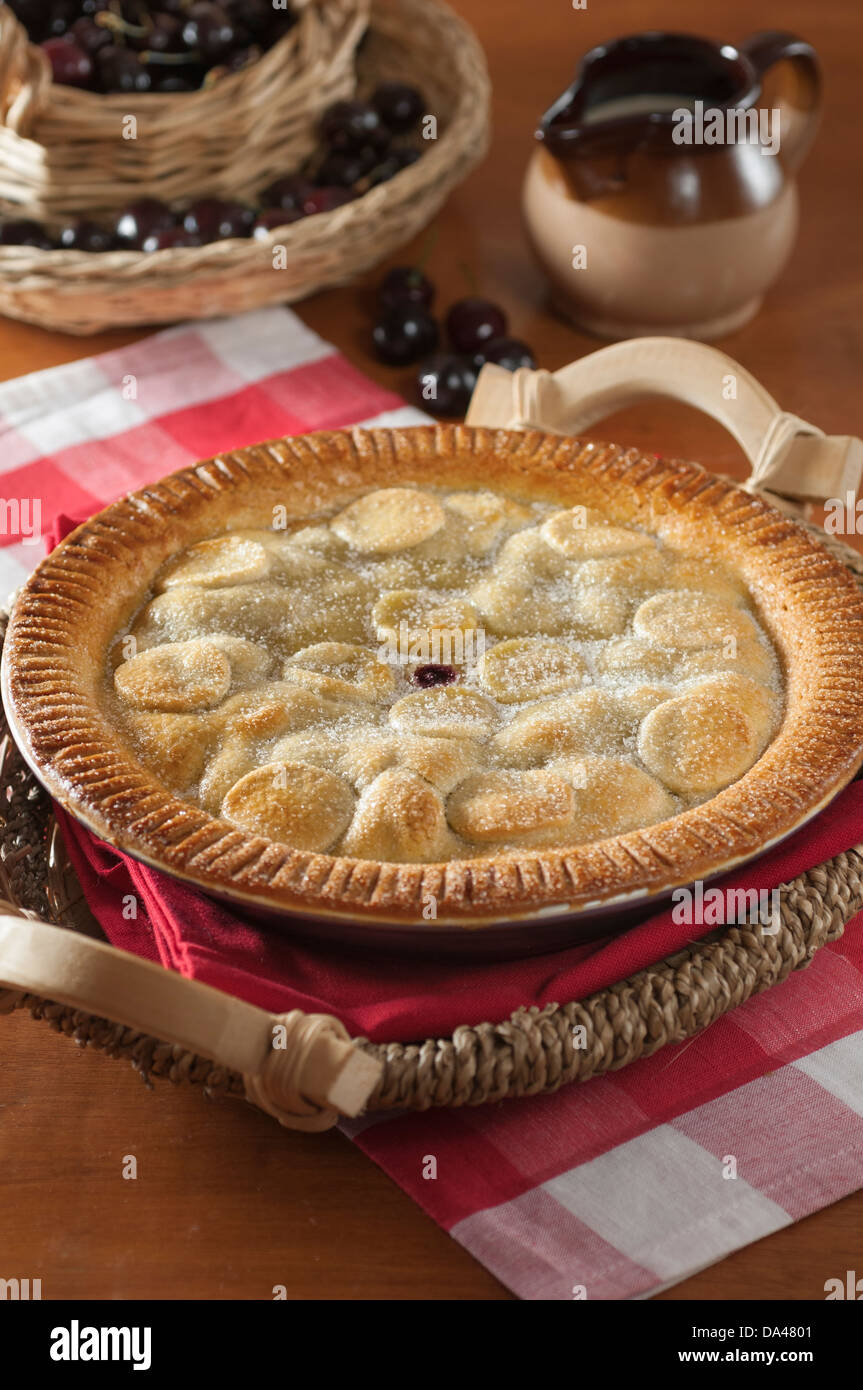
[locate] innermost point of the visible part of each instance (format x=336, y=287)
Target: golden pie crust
x=418, y=781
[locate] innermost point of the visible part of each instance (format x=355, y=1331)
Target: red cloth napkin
x=376, y=997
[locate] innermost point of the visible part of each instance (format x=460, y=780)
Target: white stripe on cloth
x=260, y=343
x=839, y=1069
x=661, y=1199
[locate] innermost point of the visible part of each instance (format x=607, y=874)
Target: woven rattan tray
x=532, y=1051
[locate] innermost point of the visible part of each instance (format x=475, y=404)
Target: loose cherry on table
x=472, y=322
x=405, y=335
x=510, y=353
x=404, y=285
x=445, y=384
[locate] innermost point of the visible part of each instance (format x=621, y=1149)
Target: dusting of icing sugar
x=617, y=682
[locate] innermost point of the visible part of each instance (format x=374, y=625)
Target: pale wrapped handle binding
x=790, y=459
x=303, y=1069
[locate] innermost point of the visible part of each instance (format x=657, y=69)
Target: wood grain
x=226, y=1204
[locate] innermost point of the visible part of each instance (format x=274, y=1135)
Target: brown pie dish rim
x=68, y=611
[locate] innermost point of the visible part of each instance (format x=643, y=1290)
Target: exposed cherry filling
x=432, y=674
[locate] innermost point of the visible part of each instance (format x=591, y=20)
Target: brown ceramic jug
x=661, y=196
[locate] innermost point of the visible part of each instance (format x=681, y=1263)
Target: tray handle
x=789, y=458
x=303, y=1069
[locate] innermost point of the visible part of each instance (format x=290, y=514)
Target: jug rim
x=745, y=86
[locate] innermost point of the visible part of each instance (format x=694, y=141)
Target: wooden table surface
x=226, y=1204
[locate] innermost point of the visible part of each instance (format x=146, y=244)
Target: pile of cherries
x=138, y=46
x=407, y=332
x=359, y=150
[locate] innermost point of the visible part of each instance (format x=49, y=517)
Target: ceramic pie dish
x=233, y=675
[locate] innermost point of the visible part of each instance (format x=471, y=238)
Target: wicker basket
x=419, y=40
x=63, y=152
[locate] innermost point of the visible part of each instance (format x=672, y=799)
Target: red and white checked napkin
x=610, y=1190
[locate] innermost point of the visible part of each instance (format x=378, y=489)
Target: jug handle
x=789, y=458
x=764, y=51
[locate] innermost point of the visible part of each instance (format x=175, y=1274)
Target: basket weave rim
x=534, y=1051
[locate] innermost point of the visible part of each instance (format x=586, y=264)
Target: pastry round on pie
x=296, y=803
x=527, y=668
x=513, y=672
x=536, y=807
x=179, y=676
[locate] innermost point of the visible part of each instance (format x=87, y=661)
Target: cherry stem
x=170, y=59
x=107, y=19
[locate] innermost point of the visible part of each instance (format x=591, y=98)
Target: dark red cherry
x=510, y=353
x=398, y=105
x=326, y=200
x=165, y=34
x=392, y=164
x=342, y=170
x=170, y=238
x=121, y=70
x=349, y=125
x=405, y=335
x=445, y=384
x=144, y=218
x=90, y=36
x=271, y=219
x=25, y=232
x=209, y=30
x=287, y=193
x=405, y=284
x=472, y=322
x=61, y=15
x=213, y=219
x=70, y=65
x=433, y=674
x=87, y=236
